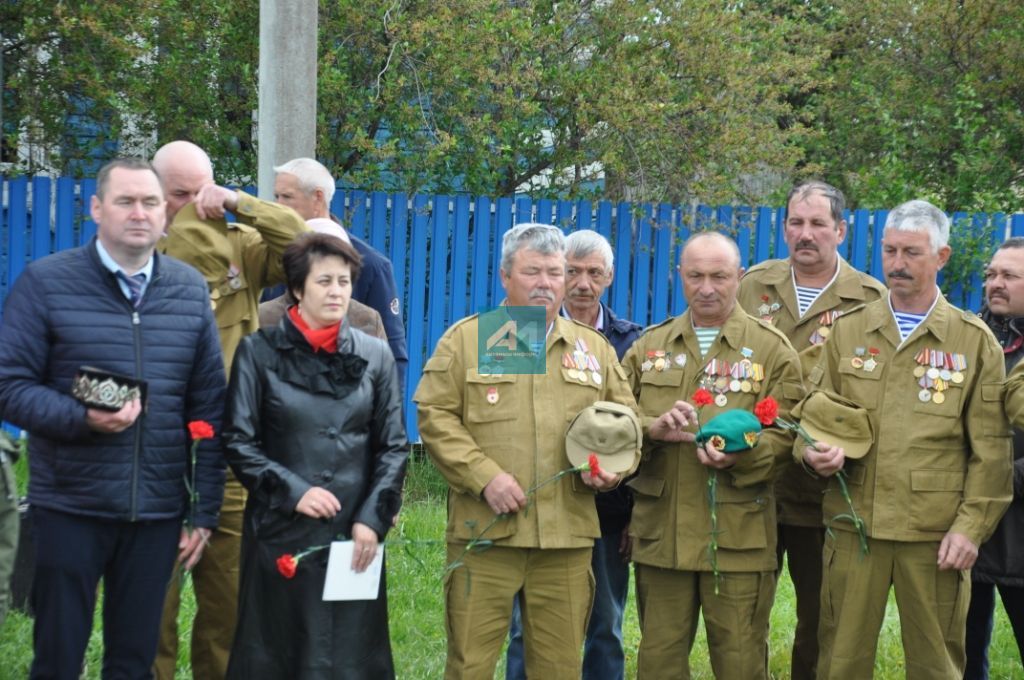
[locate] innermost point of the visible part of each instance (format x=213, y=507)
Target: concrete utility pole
x=286, y=119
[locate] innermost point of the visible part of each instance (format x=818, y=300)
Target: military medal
x=492, y=395
x=870, y=364
x=680, y=360
x=233, y=279
x=936, y=372
x=596, y=377
x=825, y=322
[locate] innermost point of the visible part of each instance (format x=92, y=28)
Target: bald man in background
x=238, y=260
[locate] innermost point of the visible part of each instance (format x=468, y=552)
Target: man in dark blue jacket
x=306, y=186
x=107, y=488
x=589, y=271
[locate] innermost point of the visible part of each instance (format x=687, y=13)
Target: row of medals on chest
x=936, y=371
x=720, y=377
x=581, y=365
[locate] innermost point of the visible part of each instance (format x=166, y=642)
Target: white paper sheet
x=344, y=584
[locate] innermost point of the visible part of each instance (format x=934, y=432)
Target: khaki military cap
x=837, y=421
x=610, y=430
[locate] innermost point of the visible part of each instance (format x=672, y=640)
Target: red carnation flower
x=595, y=467
x=200, y=429
x=287, y=564
x=702, y=398
x=767, y=410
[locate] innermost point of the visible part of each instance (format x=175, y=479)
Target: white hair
x=585, y=242
x=312, y=175
x=324, y=225
x=544, y=238
x=920, y=216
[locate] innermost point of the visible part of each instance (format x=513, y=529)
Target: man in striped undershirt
x=938, y=476
x=802, y=295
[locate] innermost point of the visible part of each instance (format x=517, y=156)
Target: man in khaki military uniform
x=938, y=477
x=802, y=296
x=494, y=436
x=238, y=261
x=741, y=360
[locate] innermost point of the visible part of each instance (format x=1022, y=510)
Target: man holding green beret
x=739, y=360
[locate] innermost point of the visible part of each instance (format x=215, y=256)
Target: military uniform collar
x=732, y=332
x=880, y=318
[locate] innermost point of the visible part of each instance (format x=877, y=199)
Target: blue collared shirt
x=114, y=268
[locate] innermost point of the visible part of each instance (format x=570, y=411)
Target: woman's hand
x=318, y=503
x=365, y=549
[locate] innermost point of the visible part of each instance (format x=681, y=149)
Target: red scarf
x=325, y=339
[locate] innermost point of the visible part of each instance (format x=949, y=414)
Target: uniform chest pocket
x=659, y=390
x=490, y=398
x=230, y=301
x=859, y=385
x=949, y=406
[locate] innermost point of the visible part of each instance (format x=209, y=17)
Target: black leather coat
x=294, y=420
x=1001, y=558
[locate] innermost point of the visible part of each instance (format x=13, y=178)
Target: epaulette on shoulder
x=973, y=319
x=760, y=267
x=656, y=325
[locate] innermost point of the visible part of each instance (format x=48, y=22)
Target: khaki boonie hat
x=837, y=421
x=610, y=430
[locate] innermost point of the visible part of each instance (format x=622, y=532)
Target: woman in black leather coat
x=313, y=429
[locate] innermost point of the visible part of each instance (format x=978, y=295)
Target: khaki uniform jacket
x=1015, y=395
x=797, y=491
x=519, y=430
x=255, y=244
x=934, y=467
x=671, y=514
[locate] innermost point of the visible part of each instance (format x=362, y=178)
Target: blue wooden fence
x=445, y=249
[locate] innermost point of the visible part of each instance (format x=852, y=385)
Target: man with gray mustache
x=937, y=477
x=802, y=295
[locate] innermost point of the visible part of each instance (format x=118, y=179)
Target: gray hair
x=586, y=242
x=697, y=236
x=544, y=238
x=920, y=216
x=312, y=175
x=836, y=200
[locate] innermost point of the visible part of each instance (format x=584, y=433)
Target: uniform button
x=327, y=475
x=332, y=432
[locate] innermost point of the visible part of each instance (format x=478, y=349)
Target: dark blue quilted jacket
x=66, y=311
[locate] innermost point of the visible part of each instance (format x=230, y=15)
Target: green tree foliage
x=923, y=100
x=670, y=99
x=664, y=99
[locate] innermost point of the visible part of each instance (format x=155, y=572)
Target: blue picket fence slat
x=445, y=250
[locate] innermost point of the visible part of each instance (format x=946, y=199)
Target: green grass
x=417, y=610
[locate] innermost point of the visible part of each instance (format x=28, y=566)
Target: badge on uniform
x=581, y=364
x=825, y=322
x=937, y=371
x=492, y=395
x=767, y=308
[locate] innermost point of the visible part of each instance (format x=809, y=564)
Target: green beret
x=730, y=432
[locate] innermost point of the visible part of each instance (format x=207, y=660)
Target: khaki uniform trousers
x=558, y=590
x=854, y=592
x=215, y=580
x=803, y=547
x=736, y=619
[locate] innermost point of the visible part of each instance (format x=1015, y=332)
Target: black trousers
x=73, y=552
x=979, y=624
